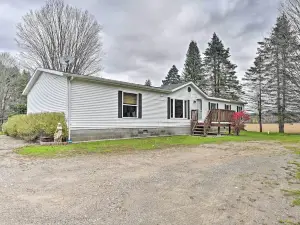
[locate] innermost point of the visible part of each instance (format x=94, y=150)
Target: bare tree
x=9, y=75
x=57, y=30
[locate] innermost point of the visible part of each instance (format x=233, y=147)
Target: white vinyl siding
x=49, y=94
x=194, y=95
x=95, y=106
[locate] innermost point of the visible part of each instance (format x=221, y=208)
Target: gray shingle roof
x=172, y=86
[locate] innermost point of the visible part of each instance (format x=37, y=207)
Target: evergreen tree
x=283, y=49
x=172, y=77
x=193, y=67
x=277, y=57
x=292, y=10
x=148, y=83
x=223, y=81
x=255, y=84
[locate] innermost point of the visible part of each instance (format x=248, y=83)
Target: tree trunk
x=215, y=77
x=260, y=121
x=237, y=131
x=260, y=107
x=284, y=89
x=279, y=110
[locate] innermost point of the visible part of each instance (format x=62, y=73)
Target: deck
x=217, y=122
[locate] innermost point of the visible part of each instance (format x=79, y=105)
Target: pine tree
x=172, y=77
x=223, y=81
x=283, y=47
x=148, y=83
x=277, y=57
x=193, y=67
x=255, y=84
x=292, y=10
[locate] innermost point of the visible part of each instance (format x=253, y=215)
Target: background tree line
x=214, y=73
x=272, y=84
x=12, y=84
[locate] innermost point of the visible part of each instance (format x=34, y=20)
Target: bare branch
x=58, y=30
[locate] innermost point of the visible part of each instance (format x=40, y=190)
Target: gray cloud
x=143, y=39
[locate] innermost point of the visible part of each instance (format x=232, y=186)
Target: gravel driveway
x=233, y=183
x=7, y=143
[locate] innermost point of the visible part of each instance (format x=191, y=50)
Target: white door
x=199, y=108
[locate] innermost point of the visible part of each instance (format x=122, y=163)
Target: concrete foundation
x=99, y=134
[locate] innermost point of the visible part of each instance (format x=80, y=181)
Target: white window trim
x=228, y=105
x=241, y=108
x=174, y=108
x=215, y=104
x=137, y=105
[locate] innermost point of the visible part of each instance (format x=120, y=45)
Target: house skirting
x=99, y=134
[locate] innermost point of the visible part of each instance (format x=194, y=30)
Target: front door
x=199, y=108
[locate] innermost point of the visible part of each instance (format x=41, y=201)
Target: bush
x=31, y=127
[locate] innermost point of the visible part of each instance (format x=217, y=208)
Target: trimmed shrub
x=32, y=126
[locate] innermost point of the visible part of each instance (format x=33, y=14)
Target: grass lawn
x=148, y=144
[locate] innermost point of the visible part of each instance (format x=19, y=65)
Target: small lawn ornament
x=58, y=134
x=238, y=121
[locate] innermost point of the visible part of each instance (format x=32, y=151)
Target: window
x=178, y=108
x=172, y=114
x=212, y=106
x=186, y=109
x=189, y=89
x=130, y=105
x=227, y=107
x=239, y=108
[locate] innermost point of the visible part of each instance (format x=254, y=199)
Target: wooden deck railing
x=221, y=115
x=217, y=116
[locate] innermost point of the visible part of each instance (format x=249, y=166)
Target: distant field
x=289, y=128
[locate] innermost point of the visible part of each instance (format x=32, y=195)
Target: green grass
x=292, y=192
x=296, y=202
x=288, y=222
x=295, y=194
x=1, y=133
x=297, y=164
x=148, y=144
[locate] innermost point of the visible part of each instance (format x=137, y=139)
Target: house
x=98, y=108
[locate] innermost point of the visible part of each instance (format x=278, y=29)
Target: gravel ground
x=233, y=183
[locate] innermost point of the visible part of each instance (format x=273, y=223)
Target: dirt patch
x=232, y=183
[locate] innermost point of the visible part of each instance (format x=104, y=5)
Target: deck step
x=199, y=131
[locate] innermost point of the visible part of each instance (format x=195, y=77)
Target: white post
x=69, y=109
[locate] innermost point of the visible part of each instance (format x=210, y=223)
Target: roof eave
x=31, y=82
x=205, y=95
x=117, y=83
x=35, y=76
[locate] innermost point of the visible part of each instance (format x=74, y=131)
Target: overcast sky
x=144, y=38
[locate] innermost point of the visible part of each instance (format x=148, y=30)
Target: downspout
x=69, y=108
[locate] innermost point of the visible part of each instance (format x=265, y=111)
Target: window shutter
x=120, y=95
x=168, y=108
x=209, y=105
x=189, y=111
x=230, y=107
x=140, y=106
x=217, y=105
